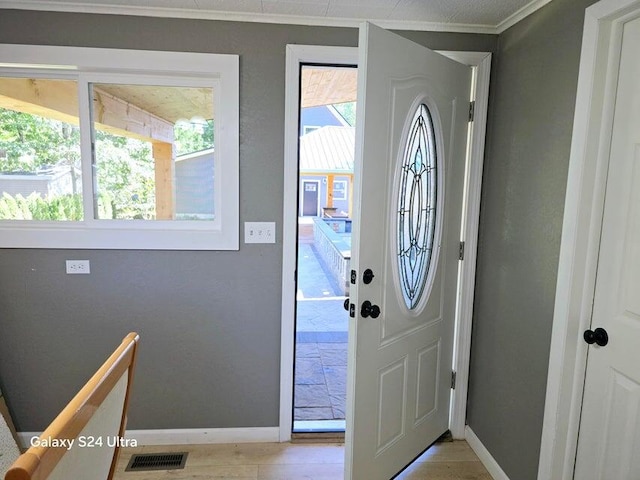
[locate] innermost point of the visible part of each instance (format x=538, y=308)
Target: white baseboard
x=189, y=436
x=195, y=436
x=483, y=454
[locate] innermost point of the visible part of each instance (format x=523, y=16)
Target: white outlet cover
x=78, y=267
x=259, y=232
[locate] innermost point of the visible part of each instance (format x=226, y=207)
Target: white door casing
x=609, y=435
x=400, y=363
x=297, y=55
x=581, y=236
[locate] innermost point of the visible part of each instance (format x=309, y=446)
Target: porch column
x=164, y=176
x=330, y=178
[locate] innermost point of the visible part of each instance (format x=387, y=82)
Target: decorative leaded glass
x=417, y=207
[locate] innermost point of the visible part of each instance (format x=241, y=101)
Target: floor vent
x=156, y=461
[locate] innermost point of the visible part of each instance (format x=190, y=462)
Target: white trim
x=256, y=17
x=581, y=228
x=297, y=54
x=471, y=219
x=522, y=13
x=188, y=436
x=485, y=457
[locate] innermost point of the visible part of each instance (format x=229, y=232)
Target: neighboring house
x=326, y=171
x=312, y=118
x=194, y=185
x=47, y=183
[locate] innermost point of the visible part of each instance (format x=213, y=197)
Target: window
x=417, y=207
x=118, y=149
x=340, y=190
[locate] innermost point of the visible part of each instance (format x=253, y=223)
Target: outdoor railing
x=334, y=251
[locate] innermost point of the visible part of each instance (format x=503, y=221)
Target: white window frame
x=344, y=194
x=93, y=65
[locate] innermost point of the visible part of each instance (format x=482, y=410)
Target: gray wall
x=209, y=321
x=530, y=120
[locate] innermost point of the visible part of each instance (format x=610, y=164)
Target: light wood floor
x=297, y=461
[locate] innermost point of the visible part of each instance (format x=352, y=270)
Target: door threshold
x=318, y=437
x=318, y=426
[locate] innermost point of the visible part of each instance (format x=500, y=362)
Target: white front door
x=609, y=437
x=411, y=137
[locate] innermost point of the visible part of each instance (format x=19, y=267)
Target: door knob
x=346, y=304
x=367, y=276
x=368, y=309
x=599, y=336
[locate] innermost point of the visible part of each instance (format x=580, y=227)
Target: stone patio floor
x=320, y=369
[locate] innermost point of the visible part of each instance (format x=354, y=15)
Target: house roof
x=328, y=149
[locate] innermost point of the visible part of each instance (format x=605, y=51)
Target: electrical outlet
x=75, y=267
x=259, y=232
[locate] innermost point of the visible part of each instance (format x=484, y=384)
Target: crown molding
x=525, y=11
x=55, y=6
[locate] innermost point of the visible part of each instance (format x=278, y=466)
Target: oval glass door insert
x=417, y=199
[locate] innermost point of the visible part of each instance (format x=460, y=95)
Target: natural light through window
x=154, y=152
x=40, y=174
x=118, y=149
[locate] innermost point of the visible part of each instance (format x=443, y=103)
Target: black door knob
x=368, y=309
x=367, y=276
x=598, y=336
x=346, y=304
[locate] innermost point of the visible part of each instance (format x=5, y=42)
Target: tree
x=348, y=112
x=29, y=142
x=190, y=137
x=124, y=167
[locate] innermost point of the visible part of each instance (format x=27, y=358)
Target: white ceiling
x=481, y=16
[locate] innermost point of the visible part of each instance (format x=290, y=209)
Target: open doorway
x=325, y=183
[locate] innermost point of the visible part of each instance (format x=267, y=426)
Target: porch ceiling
x=326, y=86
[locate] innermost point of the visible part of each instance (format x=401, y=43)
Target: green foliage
x=34, y=207
x=124, y=167
x=191, y=138
x=125, y=172
x=348, y=112
x=29, y=142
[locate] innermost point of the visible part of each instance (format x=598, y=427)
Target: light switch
x=259, y=232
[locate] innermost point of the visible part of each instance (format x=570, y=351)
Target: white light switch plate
x=259, y=232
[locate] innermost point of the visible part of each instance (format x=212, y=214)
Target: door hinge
x=453, y=380
x=461, y=251
x=472, y=110
x=354, y=277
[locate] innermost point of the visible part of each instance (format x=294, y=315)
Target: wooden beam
x=164, y=176
x=119, y=117
x=58, y=99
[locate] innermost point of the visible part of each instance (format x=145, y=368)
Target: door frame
x=295, y=55
x=582, y=224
